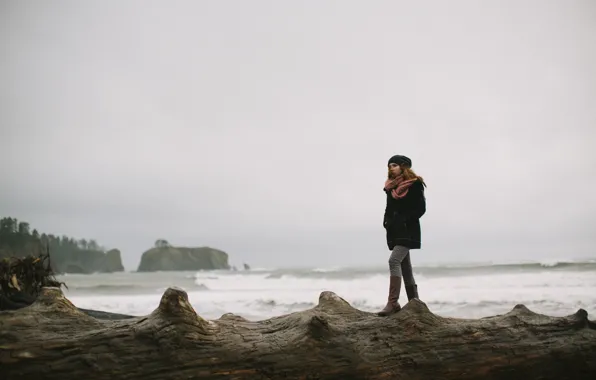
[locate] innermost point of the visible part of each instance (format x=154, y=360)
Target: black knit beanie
x=400, y=160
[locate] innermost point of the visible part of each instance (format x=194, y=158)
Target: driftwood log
x=52, y=339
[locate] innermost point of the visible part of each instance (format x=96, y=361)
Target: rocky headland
x=68, y=255
x=164, y=257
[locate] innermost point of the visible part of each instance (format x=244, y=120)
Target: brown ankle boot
x=392, y=304
x=412, y=291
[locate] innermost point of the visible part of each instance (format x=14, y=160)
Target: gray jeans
x=400, y=264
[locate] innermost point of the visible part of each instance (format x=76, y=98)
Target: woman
x=406, y=203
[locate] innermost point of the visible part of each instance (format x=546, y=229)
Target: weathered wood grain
x=52, y=339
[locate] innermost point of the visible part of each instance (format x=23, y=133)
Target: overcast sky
x=263, y=128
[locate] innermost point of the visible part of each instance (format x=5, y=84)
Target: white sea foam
x=259, y=295
x=327, y=270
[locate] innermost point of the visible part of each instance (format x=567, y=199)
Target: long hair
x=408, y=174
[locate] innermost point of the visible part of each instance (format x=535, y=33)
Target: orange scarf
x=399, y=186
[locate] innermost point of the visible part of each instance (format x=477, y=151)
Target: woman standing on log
x=406, y=204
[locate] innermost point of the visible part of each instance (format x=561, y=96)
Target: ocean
x=465, y=291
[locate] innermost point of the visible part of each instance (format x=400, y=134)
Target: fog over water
x=263, y=128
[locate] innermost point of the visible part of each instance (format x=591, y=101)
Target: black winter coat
x=402, y=217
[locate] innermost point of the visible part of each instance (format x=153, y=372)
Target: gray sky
x=263, y=128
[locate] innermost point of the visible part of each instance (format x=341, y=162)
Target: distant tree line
x=15, y=235
x=162, y=243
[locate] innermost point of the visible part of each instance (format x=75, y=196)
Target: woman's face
x=394, y=169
